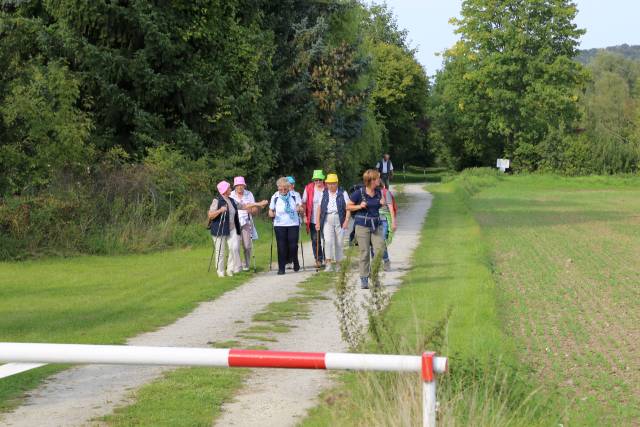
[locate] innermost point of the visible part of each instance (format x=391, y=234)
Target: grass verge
x=448, y=304
x=103, y=299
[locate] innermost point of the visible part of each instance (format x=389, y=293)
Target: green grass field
x=104, y=299
x=565, y=255
x=537, y=272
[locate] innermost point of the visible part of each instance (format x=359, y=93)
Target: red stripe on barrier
x=427, y=366
x=276, y=359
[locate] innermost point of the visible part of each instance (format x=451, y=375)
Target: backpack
x=394, y=205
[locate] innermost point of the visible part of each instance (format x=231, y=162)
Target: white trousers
x=333, y=238
x=221, y=243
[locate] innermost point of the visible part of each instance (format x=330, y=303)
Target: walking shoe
x=296, y=267
x=220, y=274
x=245, y=268
x=329, y=267
x=387, y=265
x=230, y=273
x=364, y=283
x=290, y=266
x=280, y=272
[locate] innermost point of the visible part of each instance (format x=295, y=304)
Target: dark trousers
x=316, y=242
x=287, y=240
x=385, y=179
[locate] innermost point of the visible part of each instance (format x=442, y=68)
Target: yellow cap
x=331, y=178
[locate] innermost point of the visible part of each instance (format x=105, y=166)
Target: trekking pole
x=220, y=226
x=271, y=250
x=301, y=244
x=253, y=252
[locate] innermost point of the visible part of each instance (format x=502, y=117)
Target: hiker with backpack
x=311, y=199
x=284, y=209
x=365, y=205
x=332, y=220
x=385, y=167
x=388, y=220
x=297, y=197
x=224, y=224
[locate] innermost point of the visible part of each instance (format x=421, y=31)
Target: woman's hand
x=222, y=209
x=345, y=225
x=272, y=213
x=394, y=225
x=263, y=203
x=363, y=205
x=317, y=226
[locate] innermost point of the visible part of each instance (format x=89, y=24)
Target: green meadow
x=530, y=285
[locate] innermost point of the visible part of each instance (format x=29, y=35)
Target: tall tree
x=519, y=81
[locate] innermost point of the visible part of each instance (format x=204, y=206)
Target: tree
x=519, y=81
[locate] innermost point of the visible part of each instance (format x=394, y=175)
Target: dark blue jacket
x=215, y=224
x=324, y=204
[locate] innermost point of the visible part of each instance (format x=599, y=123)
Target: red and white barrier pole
x=427, y=364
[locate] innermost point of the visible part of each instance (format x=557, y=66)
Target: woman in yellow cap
x=332, y=219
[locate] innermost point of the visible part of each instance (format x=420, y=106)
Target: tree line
x=512, y=87
x=116, y=110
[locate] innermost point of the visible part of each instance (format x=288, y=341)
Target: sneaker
x=245, y=268
x=364, y=283
x=296, y=267
x=329, y=267
x=230, y=273
x=387, y=265
x=220, y=274
x=280, y=272
x=290, y=266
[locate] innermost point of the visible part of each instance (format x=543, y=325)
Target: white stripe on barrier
x=113, y=354
x=15, y=368
x=377, y=362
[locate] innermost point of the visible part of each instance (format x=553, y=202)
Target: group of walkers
x=326, y=210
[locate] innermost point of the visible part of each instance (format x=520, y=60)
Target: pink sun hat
x=223, y=186
x=239, y=180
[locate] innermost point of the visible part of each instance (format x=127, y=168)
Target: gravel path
x=78, y=395
x=280, y=397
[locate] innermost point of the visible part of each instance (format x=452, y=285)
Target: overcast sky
x=608, y=23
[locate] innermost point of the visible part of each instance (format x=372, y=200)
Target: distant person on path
x=225, y=228
x=311, y=199
x=332, y=220
x=366, y=203
x=286, y=224
x=389, y=224
x=385, y=167
x=248, y=231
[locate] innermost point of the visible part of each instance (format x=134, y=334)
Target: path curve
x=282, y=397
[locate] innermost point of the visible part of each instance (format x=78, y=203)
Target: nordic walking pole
x=271, y=250
x=301, y=244
x=253, y=252
x=224, y=215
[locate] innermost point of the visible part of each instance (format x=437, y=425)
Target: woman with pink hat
x=225, y=228
x=247, y=230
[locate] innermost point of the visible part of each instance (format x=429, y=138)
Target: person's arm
x=272, y=207
x=317, y=220
x=214, y=211
x=356, y=203
x=390, y=169
x=345, y=224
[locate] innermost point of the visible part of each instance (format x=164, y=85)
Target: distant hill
x=630, y=52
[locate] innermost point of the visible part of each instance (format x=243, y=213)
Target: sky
x=608, y=23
